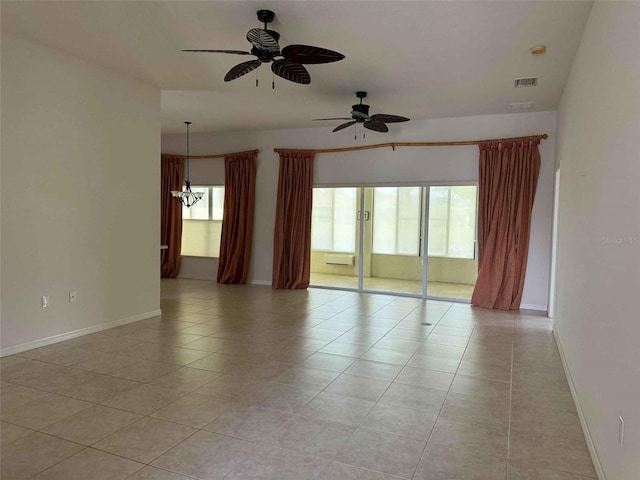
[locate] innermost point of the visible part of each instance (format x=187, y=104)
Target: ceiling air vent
x=525, y=82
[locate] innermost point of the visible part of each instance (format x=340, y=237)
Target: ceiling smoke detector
x=525, y=82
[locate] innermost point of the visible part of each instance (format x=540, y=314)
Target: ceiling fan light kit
x=287, y=63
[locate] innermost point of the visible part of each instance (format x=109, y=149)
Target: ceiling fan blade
x=234, y=52
x=263, y=40
x=339, y=118
x=376, y=125
x=381, y=117
x=242, y=69
x=344, y=125
x=307, y=55
x=293, y=72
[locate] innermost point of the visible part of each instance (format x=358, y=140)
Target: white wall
x=404, y=165
x=80, y=195
x=597, y=316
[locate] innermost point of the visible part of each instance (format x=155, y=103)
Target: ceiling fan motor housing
x=360, y=111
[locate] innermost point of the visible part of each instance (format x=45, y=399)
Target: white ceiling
x=418, y=59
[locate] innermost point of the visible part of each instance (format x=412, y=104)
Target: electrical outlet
x=621, y=431
x=45, y=301
x=72, y=297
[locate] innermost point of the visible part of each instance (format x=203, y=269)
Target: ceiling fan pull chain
x=257, y=77
x=273, y=81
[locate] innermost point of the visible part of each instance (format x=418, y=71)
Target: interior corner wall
x=80, y=196
x=598, y=280
x=378, y=167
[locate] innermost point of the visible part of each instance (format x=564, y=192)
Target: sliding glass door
x=411, y=240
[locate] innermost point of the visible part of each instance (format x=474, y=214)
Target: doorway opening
x=413, y=240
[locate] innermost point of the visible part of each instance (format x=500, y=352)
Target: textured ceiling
x=417, y=59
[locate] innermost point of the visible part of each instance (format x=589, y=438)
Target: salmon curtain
x=292, y=237
x=172, y=178
x=508, y=180
x=237, y=219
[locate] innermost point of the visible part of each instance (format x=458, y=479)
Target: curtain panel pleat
x=507, y=187
x=172, y=178
x=237, y=219
x=292, y=234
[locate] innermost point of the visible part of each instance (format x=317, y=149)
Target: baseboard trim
x=61, y=337
x=196, y=277
x=583, y=421
x=260, y=282
x=533, y=306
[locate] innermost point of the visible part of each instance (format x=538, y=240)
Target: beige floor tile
x=451, y=340
x=32, y=369
x=348, y=472
x=482, y=438
x=186, y=378
x=70, y=356
x=32, y=454
x=478, y=409
x=558, y=453
x=144, y=371
x=10, y=433
x=145, y=399
x=433, y=362
x=437, y=350
x=382, y=452
x=101, y=465
x=248, y=422
x=13, y=396
x=425, y=378
x=401, y=344
x=106, y=363
x=230, y=387
x=194, y=409
x=411, y=396
x=492, y=370
x=358, y=387
x=311, y=437
x=288, y=398
x=306, y=376
x=11, y=360
x=370, y=369
x=326, y=361
x=91, y=425
x=519, y=471
x=64, y=377
x=153, y=473
x=205, y=455
x=40, y=413
x=219, y=362
x=481, y=387
x=385, y=355
x=542, y=421
x=98, y=390
x=266, y=463
x=406, y=422
x=337, y=408
x=346, y=349
x=441, y=462
x=145, y=439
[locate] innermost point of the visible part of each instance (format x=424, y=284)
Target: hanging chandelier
x=186, y=197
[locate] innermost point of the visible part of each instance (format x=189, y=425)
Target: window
x=333, y=219
x=397, y=213
x=452, y=221
x=202, y=224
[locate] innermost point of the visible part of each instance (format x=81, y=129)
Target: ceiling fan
x=360, y=114
x=287, y=63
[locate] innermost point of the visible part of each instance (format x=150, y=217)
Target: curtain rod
x=216, y=155
x=393, y=145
